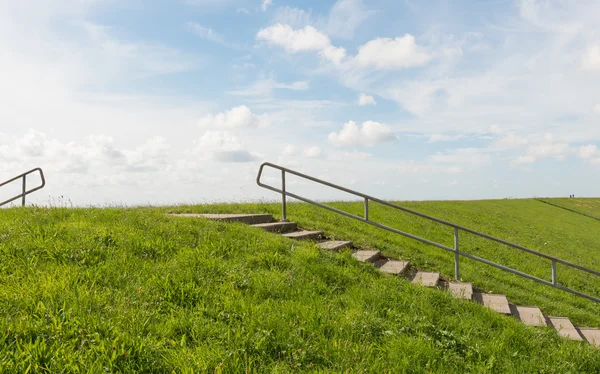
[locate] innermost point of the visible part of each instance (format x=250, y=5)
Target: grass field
x=585, y=207
x=132, y=290
x=528, y=222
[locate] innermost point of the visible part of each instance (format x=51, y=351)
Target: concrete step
x=529, y=315
x=461, y=290
x=591, y=335
x=426, y=279
x=394, y=267
x=367, y=255
x=497, y=303
x=304, y=235
x=334, y=245
x=282, y=227
x=565, y=328
x=245, y=218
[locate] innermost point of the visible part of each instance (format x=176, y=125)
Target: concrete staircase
x=529, y=315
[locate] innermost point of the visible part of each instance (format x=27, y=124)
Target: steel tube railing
x=457, y=228
x=24, y=190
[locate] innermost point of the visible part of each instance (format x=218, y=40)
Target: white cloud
x=265, y=87
x=222, y=146
x=417, y=167
x=344, y=17
x=388, y=53
x=588, y=151
x=266, y=4
x=205, y=32
x=380, y=53
x=97, y=151
x=523, y=160
x=289, y=150
x=349, y=156
x=545, y=148
x=150, y=157
x=133, y=59
x=495, y=129
x=596, y=108
x=548, y=148
x=434, y=138
x=591, y=60
x=365, y=99
x=305, y=39
x=312, y=152
x=369, y=134
x=462, y=156
x=238, y=117
x=510, y=141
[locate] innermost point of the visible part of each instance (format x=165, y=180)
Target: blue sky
x=134, y=102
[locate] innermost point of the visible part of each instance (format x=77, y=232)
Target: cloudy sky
x=136, y=102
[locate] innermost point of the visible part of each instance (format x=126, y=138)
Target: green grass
x=586, y=207
x=528, y=222
x=132, y=290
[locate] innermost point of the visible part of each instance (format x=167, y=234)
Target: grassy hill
x=132, y=290
x=535, y=224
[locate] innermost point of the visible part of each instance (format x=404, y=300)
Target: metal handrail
x=25, y=191
x=457, y=228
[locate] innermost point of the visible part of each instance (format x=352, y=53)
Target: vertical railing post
x=366, y=208
x=456, y=255
x=24, y=190
x=554, y=272
x=283, y=202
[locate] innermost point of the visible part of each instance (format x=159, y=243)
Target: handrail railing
x=457, y=253
x=24, y=192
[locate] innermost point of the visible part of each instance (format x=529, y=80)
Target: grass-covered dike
x=132, y=290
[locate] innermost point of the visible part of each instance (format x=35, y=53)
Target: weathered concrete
x=591, y=335
x=529, y=315
x=245, y=218
x=461, y=290
x=306, y=235
x=334, y=245
x=282, y=227
x=565, y=328
x=394, y=267
x=497, y=303
x=367, y=255
x=426, y=279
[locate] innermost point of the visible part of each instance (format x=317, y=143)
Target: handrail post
x=366, y=209
x=283, y=202
x=24, y=189
x=554, y=272
x=456, y=255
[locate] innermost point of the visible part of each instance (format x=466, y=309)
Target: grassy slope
x=133, y=290
x=546, y=228
x=584, y=206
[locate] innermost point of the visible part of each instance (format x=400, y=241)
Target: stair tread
x=273, y=224
x=366, y=255
x=461, y=290
x=426, y=278
x=277, y=226
x=591, y=335
x=565, y=328
x=394, y=267
x=334, y=245
x=246, y=218
x=529, y=315
x=303, y=234
x=498, y=303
